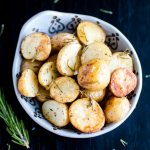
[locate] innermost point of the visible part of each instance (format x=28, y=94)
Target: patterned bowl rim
x=114, y=126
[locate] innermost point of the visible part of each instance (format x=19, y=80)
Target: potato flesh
x=56, y=113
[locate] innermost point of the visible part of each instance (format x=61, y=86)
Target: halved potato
x=64, y=89
x=56, y=113
x=43, y=94
x=121, y=60
x=28, y=83
x=67, y=59
x=61, y=39
x=36, y=46
x=94, y=75
x=52, y=58
x=87, y=116
x=29, y=64
x=96, y=95
x=96, y=50
x=116, y=109
x=47, y=74
x=89, y=32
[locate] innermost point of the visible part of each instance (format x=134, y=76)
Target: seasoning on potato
x=89, y=32
x=86, y=115
x=47, y=74
x=96, y=95
x=96, y=50
x=116, y=109
x=29, y=64
x=56, y=113
x=64, y=89
x=94, y=75
x=61, y=39
x=123, y=81
x=28, y=83
x=36, y=46
x=121, y=60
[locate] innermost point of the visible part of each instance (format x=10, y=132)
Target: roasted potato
x=121, y=60
x=36, y=46
x=64, y=89
x=96, y=95
x=52, y=58
x=89, y=32
x=47, y=74
x=43, y=94
x=67, y=59
x=56, y=113
x=29, y=64
x=94, y=75
x=61, y=39
x=123, y=81
x=96, y=50
x=28, y=83
x=116, y=109
x=87, y=116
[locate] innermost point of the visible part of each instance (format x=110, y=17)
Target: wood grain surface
x=132, y=17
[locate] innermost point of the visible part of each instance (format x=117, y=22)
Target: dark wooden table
x=132, y=17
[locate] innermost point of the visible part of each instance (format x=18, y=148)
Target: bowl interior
x=52, y=22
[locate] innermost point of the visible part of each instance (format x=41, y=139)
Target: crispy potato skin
x=87, y=116
x=96, y=50
x=89, y=32
x=67, y=59
x=56, y=113
x=33, y=65
x=42, y=95
x=52, y=58
x=61, y=39
x=36, y=46
x=28, y=83
x=64, y=89
x=123, y=81
x=96, y=95
x=121, y=60
x=116, y=109
x=94, y=75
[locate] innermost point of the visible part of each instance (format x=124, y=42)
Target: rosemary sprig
x=2, y=29
x=124, y=143
x=55, y=1
x=57, y=86
x=147, y=76
x=106, y=11
x=72, y=69
x=15, y=127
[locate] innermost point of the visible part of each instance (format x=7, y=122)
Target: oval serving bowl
x=52, y=22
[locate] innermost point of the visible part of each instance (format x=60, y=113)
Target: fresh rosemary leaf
x=124, y=143
x=106, y=11
x=2, y=29
x=147, y=76
x=15, y=127
x=55, y=1
x=72, y=69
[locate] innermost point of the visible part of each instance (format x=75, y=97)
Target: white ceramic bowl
x=52, y=22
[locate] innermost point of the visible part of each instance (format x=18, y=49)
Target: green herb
x=72, y=69
x=55, y=1
x=8, y=146
x=15, y=128
x=124, y=143
x=2, y=29
x=147, y=76
x=106, y=11
x=58, y=86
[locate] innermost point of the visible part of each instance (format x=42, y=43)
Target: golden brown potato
x=68, y=60
x=61, y=39
x=94, y=75
x=123, y=81
x=116, y=109
x=28, y=83
x=43, y=94
x=56, y=113
x=96, y=50
x=36, y=46
x=96, y=95
x=47, y=74
x=121, y=60
x=52, y=58
x=89, y=32
x=87, y=116
x=33, y=65
x=64, y=89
